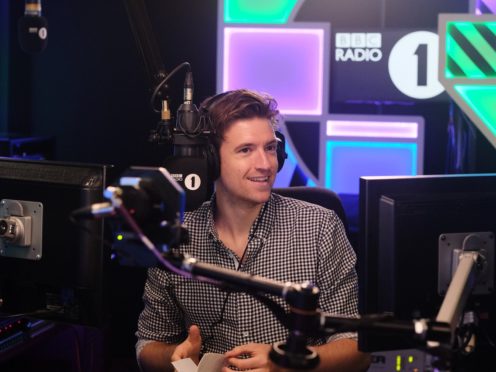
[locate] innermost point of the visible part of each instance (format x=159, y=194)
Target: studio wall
x=89, y=88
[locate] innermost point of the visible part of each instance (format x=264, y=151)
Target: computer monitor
x=50, y=266
x=401, y=222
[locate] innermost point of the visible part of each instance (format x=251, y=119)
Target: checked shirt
x=291, y=240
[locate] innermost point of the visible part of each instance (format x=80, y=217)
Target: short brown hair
x=221, y=110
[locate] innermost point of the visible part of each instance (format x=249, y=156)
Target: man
x=246, y=227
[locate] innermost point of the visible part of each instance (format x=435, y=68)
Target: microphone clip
x=164, y=132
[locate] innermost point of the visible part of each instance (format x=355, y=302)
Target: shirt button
x=246, y=334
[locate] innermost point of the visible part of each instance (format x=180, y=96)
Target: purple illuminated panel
x=485, y=7
x=386, y=129
x=285, y=62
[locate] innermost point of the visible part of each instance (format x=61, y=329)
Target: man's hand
x=257, y=358
x=189, y=348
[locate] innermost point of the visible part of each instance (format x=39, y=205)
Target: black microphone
x=189, y=165
x=32, y=28
x=187, y=113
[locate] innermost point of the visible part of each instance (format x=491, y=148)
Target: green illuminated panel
x=478, y=41
x=471, y=49
x=491, y=26
x=482, y=100
x=467, y=67
x=258, y=11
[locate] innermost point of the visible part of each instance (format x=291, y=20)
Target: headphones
x=212, y=152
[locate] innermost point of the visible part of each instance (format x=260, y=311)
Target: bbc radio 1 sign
x=358, y=46
x=390, y=65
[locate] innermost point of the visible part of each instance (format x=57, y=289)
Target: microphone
x=32, y=28
x=187, y=113
x=190, y=162
x=189, y=165
x=98, y=210
x=137, y=200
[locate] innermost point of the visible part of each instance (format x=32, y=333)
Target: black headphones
x=212, y=152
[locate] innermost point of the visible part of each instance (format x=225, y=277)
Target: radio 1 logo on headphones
x=358, y=46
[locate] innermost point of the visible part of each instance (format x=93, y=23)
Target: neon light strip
x=384, y=129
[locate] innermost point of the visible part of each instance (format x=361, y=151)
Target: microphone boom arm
x=146, y=43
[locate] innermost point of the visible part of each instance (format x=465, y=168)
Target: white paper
x=211, y=362
x=185, y=365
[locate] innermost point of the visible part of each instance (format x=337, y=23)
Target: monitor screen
x=49, y=265
x=402, y=220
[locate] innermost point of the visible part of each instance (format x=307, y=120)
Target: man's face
x=248, y=162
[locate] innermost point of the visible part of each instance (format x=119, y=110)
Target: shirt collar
x=261, y=226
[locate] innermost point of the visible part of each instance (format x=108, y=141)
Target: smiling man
x=248, y=228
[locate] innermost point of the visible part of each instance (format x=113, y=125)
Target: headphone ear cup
x=213, y=161
x=281, y=150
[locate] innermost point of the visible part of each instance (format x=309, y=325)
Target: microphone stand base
x=304, y=359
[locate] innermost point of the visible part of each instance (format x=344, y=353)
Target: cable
x=197, y=131
x=223, y=309
x=161, y=84
x=34, y=314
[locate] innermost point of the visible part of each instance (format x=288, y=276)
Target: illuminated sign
x=358, y=46
x=390, y=65
x=467, y=70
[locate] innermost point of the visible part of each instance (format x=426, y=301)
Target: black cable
x=221, y=317
x=164, y=80
x=198, y=130
x=34, y=314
